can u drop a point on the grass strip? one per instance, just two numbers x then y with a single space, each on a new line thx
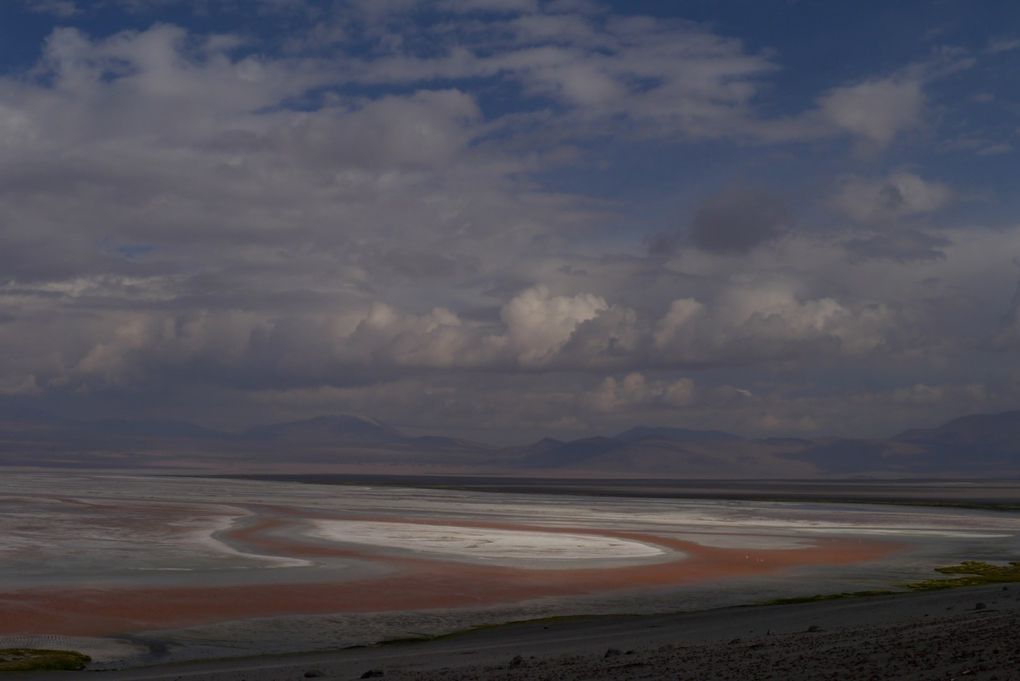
973 573
34 659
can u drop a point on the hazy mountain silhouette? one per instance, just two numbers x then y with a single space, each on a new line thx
982 445
340 428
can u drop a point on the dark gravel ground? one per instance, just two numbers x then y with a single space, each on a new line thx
970 633
985 647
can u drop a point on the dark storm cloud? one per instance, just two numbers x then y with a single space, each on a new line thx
733 221
738 220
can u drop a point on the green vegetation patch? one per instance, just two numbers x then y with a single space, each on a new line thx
825 597
32 659
974 573
424 638
971 573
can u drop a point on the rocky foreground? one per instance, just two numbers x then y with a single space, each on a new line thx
986 647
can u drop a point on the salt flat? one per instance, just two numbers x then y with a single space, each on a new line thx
241 566
503 547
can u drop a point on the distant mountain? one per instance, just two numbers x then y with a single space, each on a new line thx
843 457
647 451
325 429
982 445
984 442
547 454
994 432
154 429
544 446
440 442
675 435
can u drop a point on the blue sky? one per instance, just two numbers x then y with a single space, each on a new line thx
507 218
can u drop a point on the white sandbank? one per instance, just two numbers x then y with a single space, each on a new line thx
536 548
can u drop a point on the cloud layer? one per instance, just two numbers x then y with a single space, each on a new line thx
433 213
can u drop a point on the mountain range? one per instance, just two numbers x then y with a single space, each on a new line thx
982 445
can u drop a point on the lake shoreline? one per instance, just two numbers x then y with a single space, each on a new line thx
968 631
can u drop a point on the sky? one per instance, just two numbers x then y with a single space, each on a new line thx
502 219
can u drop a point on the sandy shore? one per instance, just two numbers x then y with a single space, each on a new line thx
414 583
963 633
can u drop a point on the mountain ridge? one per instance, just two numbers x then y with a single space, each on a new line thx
983 445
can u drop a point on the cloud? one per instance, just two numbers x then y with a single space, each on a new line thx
738 220
1007 335
156 138
998 45
635 390
424 129
373 206
437 339
901 245
899 195
59 8
886 205
668 78
767 321
536 331
615 337
491 6
539 324
875 111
